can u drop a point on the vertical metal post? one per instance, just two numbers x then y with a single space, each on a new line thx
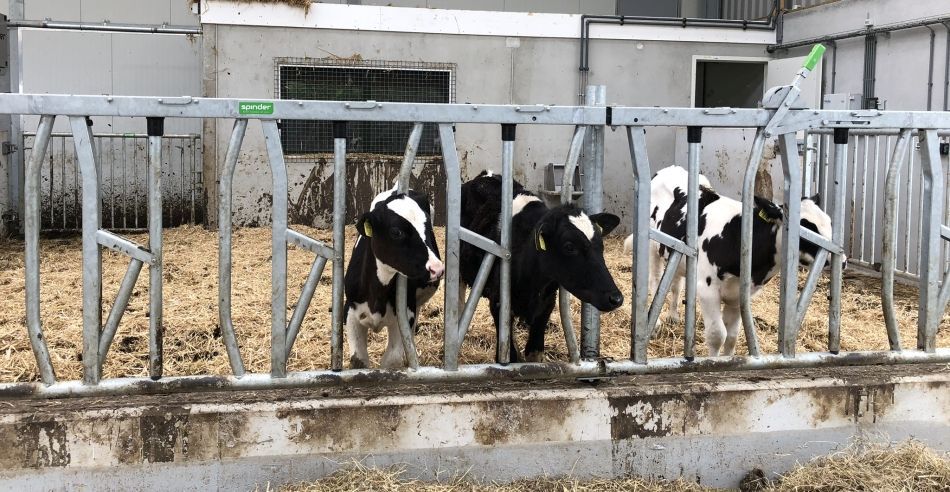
15 177
156 128
593 203
453 206
788 314
31 236
339 245
91 254
507 190
278 298
888 256
402 186
224 247
838 208
930 312
745 247
640 330
693 140
567 194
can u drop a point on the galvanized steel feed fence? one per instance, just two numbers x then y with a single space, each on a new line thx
590 119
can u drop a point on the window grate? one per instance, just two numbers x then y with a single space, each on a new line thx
333 79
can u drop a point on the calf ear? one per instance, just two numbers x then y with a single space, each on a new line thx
770 210
365 225
815 198
606 222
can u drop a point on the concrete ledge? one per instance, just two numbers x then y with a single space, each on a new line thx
710 427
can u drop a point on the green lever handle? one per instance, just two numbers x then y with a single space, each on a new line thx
814 57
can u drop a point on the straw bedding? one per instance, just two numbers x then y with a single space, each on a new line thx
193 340
905 467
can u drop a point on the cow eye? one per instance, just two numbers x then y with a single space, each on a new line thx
397 233
569 249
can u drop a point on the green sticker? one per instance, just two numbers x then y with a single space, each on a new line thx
252 107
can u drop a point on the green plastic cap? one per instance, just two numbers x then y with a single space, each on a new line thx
814 57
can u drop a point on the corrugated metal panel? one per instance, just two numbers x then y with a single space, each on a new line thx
760 9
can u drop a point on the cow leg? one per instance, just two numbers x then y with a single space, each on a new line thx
715 330
356 336
534 349
672 308
395 355
730 316
514 353
656 267
461 297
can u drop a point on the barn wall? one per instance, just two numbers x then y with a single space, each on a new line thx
902 56
711 428
239 62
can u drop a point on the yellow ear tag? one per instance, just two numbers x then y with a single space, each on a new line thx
368 229
599 229
765 217
541 245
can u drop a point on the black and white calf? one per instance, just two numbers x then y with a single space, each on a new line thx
395 237
720 222
664 186
555 247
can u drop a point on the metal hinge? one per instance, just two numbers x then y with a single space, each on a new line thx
9 148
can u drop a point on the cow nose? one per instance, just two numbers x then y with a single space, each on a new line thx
615 299
436 269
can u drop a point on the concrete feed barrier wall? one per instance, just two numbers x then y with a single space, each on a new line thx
710 427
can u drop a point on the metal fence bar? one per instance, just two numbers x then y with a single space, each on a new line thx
745 247
930 265
693 139
907 210
788 276
567 194
156 128
402 186
454 332
224 247
278 334
31 260
91 254
303 304
593 203
505 325
640 330
888 256
838 208
339 243
468 311
118 308
663 289
811 283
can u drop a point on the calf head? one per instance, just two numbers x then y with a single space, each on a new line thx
399 229
571 248
816 220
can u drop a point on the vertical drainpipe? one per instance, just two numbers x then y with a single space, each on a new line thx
930 69
946 70
870 59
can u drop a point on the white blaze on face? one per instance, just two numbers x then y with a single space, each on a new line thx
520 202
582 223
408 209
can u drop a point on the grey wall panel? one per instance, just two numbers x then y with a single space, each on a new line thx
538 71
177 12
467 4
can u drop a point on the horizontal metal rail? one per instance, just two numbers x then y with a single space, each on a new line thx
473 372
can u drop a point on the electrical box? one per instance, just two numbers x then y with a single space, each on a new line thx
841 101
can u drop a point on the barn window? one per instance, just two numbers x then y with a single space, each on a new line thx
728 83
361 80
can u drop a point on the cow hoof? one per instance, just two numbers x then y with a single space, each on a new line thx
671 320
357 363
534 356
